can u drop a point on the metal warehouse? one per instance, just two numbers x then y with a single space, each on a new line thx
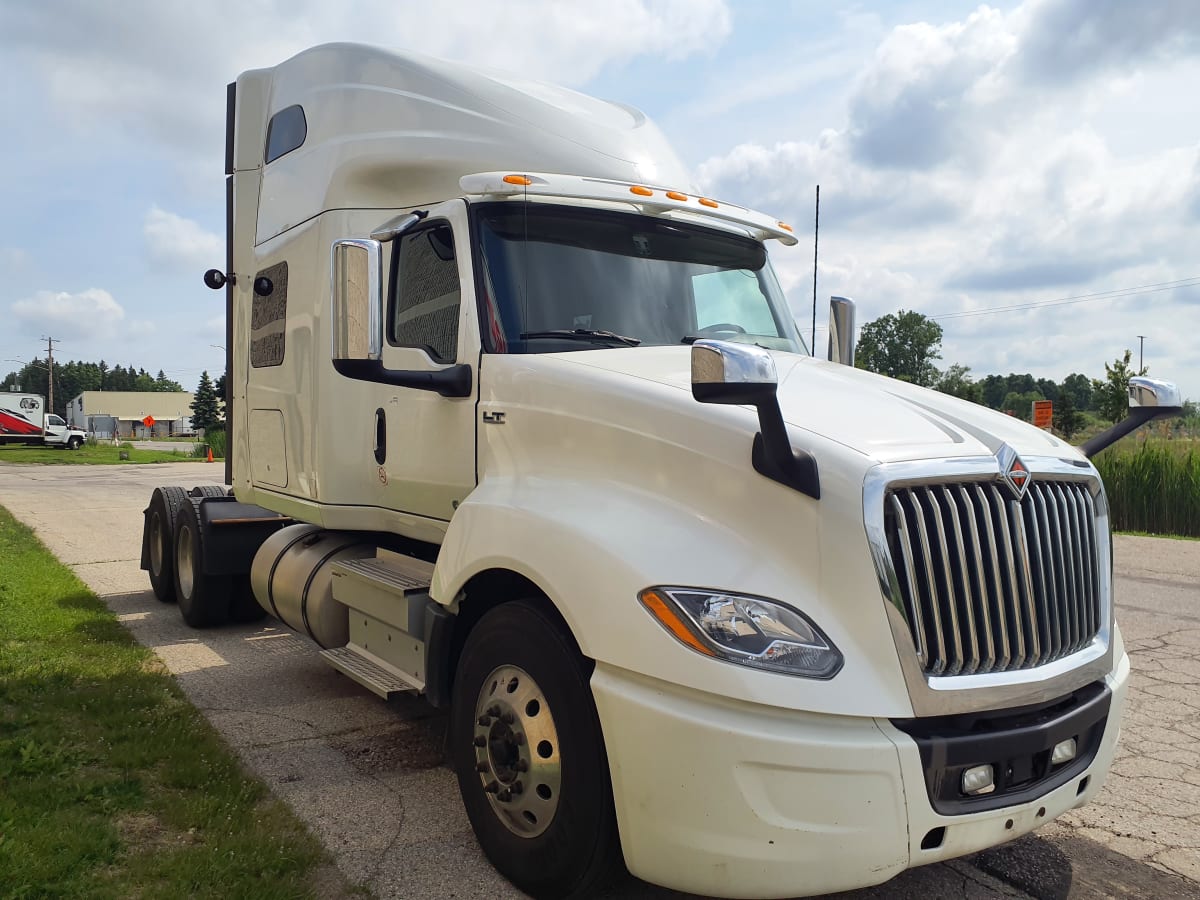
99 411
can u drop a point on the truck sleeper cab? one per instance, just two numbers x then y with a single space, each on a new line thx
549 449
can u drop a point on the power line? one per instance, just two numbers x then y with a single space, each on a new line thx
1134 291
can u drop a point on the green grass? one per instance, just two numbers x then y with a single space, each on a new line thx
90 454
1153 485
111 784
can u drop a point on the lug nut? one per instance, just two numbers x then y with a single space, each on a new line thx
519 739
507 718
492 787
483 720
480 740
521 766
493 710
504 796
517 787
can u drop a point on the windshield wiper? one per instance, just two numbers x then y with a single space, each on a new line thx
582 334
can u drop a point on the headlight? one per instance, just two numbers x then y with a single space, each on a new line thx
752 631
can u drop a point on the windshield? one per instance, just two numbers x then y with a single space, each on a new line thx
558 278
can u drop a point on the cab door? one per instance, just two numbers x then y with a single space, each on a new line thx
425 442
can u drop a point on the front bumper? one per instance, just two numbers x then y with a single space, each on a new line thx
736 800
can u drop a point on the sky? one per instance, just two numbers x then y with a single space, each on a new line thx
1028 173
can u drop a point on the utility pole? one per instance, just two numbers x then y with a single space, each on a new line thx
50 373
1141 351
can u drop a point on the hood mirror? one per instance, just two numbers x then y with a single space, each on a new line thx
1149 399
1144 392
732 373
744 375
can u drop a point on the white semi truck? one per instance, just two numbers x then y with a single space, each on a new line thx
522 423
24 420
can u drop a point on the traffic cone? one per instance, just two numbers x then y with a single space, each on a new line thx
210 453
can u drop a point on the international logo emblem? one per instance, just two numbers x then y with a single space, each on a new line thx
1013 472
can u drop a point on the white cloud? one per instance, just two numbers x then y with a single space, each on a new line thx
159 67
962 179
176 242
92 314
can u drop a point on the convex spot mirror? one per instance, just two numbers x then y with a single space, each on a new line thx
357 291
732 373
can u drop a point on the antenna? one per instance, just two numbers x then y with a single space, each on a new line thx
816 234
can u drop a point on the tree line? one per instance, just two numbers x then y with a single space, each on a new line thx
906 345
73 378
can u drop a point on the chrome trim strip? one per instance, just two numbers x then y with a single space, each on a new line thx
975 660
935 695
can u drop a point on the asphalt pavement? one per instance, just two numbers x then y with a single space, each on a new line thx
371 781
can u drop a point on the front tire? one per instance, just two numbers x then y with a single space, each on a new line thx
74 443
526 744
203 599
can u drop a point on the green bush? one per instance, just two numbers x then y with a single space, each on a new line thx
215 438
1153 485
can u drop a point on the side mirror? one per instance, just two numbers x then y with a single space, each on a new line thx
357 291
841 330
1149 399
744 375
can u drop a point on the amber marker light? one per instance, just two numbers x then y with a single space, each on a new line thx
784 225
704 201
641 191
669 619
675 195
517 179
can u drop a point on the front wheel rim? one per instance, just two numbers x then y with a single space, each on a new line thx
516 749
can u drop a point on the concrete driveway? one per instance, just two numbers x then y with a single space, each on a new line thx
371 781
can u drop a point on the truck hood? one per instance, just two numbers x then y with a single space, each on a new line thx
882 418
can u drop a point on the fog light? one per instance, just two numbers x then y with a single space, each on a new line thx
1064 751
978 780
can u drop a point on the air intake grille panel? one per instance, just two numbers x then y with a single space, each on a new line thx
994 584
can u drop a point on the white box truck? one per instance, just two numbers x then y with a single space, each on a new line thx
24 420
522 423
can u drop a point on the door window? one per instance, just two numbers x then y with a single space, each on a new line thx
425 293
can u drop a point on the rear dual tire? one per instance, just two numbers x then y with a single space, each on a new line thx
204 600
165 503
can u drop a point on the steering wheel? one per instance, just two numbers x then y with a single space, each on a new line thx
721 326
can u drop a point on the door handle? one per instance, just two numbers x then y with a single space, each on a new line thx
380 436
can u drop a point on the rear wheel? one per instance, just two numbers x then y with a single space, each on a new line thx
204 600
160 534
208 490
526 744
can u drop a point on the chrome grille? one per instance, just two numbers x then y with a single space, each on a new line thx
990 583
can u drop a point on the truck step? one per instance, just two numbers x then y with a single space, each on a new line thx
394 573
371 672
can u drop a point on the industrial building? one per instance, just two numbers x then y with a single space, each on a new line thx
134 414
